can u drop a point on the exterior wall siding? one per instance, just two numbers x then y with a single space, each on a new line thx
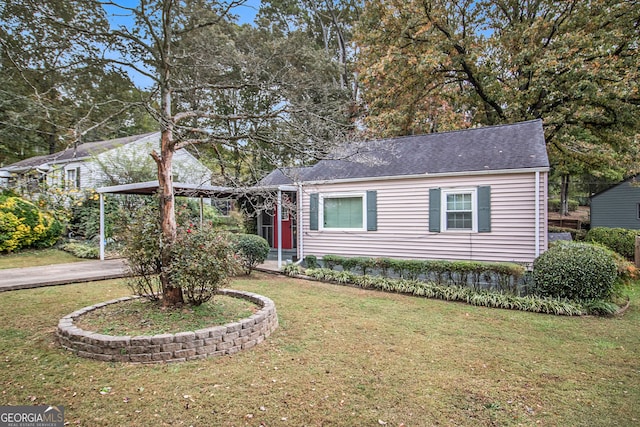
187 169
403 221
617 207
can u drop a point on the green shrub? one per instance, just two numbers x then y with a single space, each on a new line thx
82 249
576 271
84 222
292 270
203 260
252 249
24 225
619 240
332 261
141 248
311 261
504 277
485 298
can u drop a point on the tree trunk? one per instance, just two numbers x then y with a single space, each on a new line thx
171 295
564 196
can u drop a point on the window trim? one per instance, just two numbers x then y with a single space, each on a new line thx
638 211
72 182
363 198
474 209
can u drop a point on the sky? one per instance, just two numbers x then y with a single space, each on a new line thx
246 14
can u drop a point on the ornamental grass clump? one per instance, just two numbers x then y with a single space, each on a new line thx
575 271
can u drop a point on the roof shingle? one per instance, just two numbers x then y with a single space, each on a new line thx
514 146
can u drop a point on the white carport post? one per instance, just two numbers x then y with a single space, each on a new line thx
299 225
279 219
102 233
201 211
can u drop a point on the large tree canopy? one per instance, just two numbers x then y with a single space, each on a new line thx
433 65
55 90
254 96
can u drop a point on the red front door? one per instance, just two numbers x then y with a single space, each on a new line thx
287 226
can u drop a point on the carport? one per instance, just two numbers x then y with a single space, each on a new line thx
202 192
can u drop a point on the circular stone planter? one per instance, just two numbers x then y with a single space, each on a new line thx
182 346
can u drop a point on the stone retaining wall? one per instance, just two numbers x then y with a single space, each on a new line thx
214 341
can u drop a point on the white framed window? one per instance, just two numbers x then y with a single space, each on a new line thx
343 211
73 178
459 210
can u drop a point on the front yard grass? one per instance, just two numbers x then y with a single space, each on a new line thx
342 356
35 258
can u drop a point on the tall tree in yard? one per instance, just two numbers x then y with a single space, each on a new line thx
433 65
234 88
220 85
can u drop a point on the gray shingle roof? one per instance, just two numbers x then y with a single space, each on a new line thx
514 146
81 152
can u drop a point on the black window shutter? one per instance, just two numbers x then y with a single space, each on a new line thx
484 209
434 210
313 211
372 210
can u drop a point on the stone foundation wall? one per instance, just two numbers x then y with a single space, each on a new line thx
214 341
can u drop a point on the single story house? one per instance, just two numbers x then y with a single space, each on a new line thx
476 194
93 164
618 206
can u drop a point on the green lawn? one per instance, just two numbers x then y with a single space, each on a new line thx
34 258
341 357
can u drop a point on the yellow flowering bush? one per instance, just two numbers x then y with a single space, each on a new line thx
23 225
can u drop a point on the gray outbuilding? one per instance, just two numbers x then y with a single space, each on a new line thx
618 206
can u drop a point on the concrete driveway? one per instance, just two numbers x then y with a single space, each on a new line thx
60 274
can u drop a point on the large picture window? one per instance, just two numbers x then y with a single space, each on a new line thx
343 211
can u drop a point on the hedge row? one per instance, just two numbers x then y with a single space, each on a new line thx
504 277
463 294
620 240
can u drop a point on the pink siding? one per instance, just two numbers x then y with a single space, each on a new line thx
403 221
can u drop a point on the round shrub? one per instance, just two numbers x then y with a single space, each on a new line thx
203 261
577 271
253 250
24 225
202 258
620 240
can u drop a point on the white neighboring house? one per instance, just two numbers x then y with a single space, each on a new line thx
94 164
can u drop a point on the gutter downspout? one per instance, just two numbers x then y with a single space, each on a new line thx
537 214
279 215
102 227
